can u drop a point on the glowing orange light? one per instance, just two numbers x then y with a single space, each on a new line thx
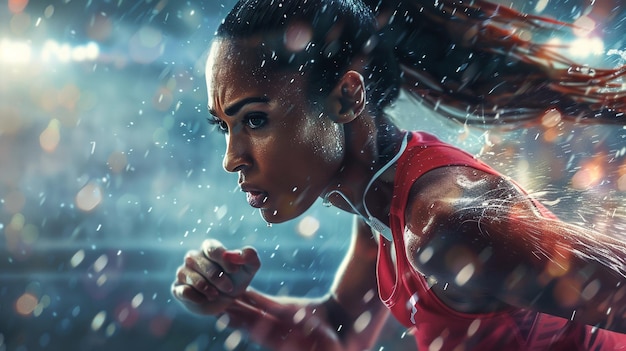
551 135
89 197
50 137
567 291
17 6
621 183
551 118
26 304
590 174
117 162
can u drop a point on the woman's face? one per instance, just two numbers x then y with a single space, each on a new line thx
286 153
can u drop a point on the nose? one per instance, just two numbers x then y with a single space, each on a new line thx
237 156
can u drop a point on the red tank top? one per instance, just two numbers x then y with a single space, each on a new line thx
437 326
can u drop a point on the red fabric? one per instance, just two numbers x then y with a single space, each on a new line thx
435 324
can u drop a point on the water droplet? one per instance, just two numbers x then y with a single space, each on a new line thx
584 70
326 202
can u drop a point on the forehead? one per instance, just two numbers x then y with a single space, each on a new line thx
230 56
236 70
229 62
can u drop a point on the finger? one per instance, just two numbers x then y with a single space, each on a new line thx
251 258
247 257
234 258
187 293
212 273
213 249
216 252
188 277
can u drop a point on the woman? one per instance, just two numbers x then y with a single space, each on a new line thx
443 242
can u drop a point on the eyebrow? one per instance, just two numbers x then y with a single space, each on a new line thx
234 108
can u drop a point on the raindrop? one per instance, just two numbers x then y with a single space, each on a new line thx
326 202
100 263
436 345
77 258
137 300
233 340
473 328
362 321
584 70
426 255
299 315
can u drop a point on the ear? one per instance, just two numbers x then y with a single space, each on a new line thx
347 100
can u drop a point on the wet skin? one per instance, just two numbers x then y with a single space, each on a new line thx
459 217
285 152
288 149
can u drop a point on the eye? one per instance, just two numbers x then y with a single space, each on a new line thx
255 120
218 123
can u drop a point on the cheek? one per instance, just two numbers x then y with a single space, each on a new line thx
327 141
332 150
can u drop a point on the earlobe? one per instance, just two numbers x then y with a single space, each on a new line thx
347 100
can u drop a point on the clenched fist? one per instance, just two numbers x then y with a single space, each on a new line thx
211 279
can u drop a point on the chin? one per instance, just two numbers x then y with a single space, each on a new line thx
274 216
287 208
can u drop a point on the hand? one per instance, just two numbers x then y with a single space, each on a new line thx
211 279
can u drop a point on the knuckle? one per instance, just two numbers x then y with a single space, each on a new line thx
209 244
191 254
180 274
190 262
215 272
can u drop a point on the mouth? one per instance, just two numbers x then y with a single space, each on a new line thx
256 198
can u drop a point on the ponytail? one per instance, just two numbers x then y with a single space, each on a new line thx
480 63
472 61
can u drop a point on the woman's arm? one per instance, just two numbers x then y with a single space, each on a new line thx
483 237
348 318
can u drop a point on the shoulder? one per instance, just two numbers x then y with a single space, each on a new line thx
452 193
454 229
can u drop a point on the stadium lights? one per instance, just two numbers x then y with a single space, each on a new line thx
22 52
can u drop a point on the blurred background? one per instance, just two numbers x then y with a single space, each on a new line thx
109 174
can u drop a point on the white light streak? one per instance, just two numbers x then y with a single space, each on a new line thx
584 47
15 52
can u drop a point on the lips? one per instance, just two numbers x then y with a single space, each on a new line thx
256 198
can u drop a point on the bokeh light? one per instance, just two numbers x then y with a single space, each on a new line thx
110 175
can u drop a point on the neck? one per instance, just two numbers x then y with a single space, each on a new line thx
388 141
362 163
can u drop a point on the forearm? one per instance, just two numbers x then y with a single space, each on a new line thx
285 323
282 323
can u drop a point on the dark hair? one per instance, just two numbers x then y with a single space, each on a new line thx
482 63
340 32
466 59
